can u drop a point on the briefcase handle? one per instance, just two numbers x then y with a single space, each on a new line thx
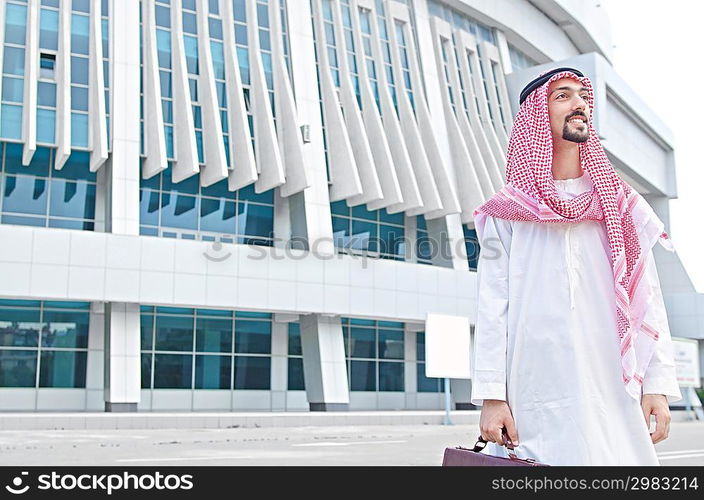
481 444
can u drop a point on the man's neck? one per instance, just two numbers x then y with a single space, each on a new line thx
565 160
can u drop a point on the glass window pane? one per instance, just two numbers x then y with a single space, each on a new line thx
363 375
146 326
391 240
79 98
76 167
19 327
255 220
191 48
391 344
46 94
11 121
63 369
252 336
15 23
13 61
12 89
294 339
81 5
46 125
252 372
364 236
426 384
18 368
217 216
248 193
65 329
72 199
146 371
213 372
165 81
296 381
79 130
362 342
163 16
179 211
163 46
149 207
172 371
174 333
79 70
213 335
420 346
79 34
25 195
189 23
391 376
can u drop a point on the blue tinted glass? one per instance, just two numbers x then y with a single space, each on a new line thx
197 117
218 59
221 90
363 342
19 327
179 211
391 377
149 207
15 23
79 98
217 216
361 212
213 335
294 339
24 221
296 381
167 111
339 208
213 7
172 371
79 130
243 60
363 375
187 186
163 46
13 161
79 34
193 89
12 89
146 373
340 231
391 344
169 134
364 236
67 329
63 369
153 182
105 27
426 384
189 4
219 190
190 24
241 34
252 336
81 5
72 224
265 45
72 199
215 28
391 240
163 16
25 195
104 7
18 368
191 46
13 61
199 146
165 82
240 10
79 70
213 372
174 333
262 15
396 218
255 220
248 193
252 372
46 125
76 167
146 324
51 3
46 94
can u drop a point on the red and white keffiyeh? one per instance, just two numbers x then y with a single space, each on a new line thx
632 226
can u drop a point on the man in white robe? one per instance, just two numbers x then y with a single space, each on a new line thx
550 357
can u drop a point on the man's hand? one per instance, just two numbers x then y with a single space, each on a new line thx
656 404
495 416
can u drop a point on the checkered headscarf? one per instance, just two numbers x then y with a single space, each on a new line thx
631 225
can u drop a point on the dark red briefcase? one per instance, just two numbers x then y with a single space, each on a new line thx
466 457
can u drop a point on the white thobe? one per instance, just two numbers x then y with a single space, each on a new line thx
546 342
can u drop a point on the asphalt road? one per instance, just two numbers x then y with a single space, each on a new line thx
342 445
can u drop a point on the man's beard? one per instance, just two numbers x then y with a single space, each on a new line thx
575 135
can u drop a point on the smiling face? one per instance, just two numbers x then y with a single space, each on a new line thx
569 110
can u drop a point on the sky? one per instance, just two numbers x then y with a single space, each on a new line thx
658 49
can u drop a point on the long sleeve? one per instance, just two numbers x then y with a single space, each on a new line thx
490 332
660 376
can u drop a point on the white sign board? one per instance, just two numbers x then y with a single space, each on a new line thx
447 346
687 362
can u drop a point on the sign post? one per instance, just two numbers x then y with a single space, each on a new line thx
447 351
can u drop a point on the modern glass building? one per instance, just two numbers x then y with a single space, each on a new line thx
255 204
